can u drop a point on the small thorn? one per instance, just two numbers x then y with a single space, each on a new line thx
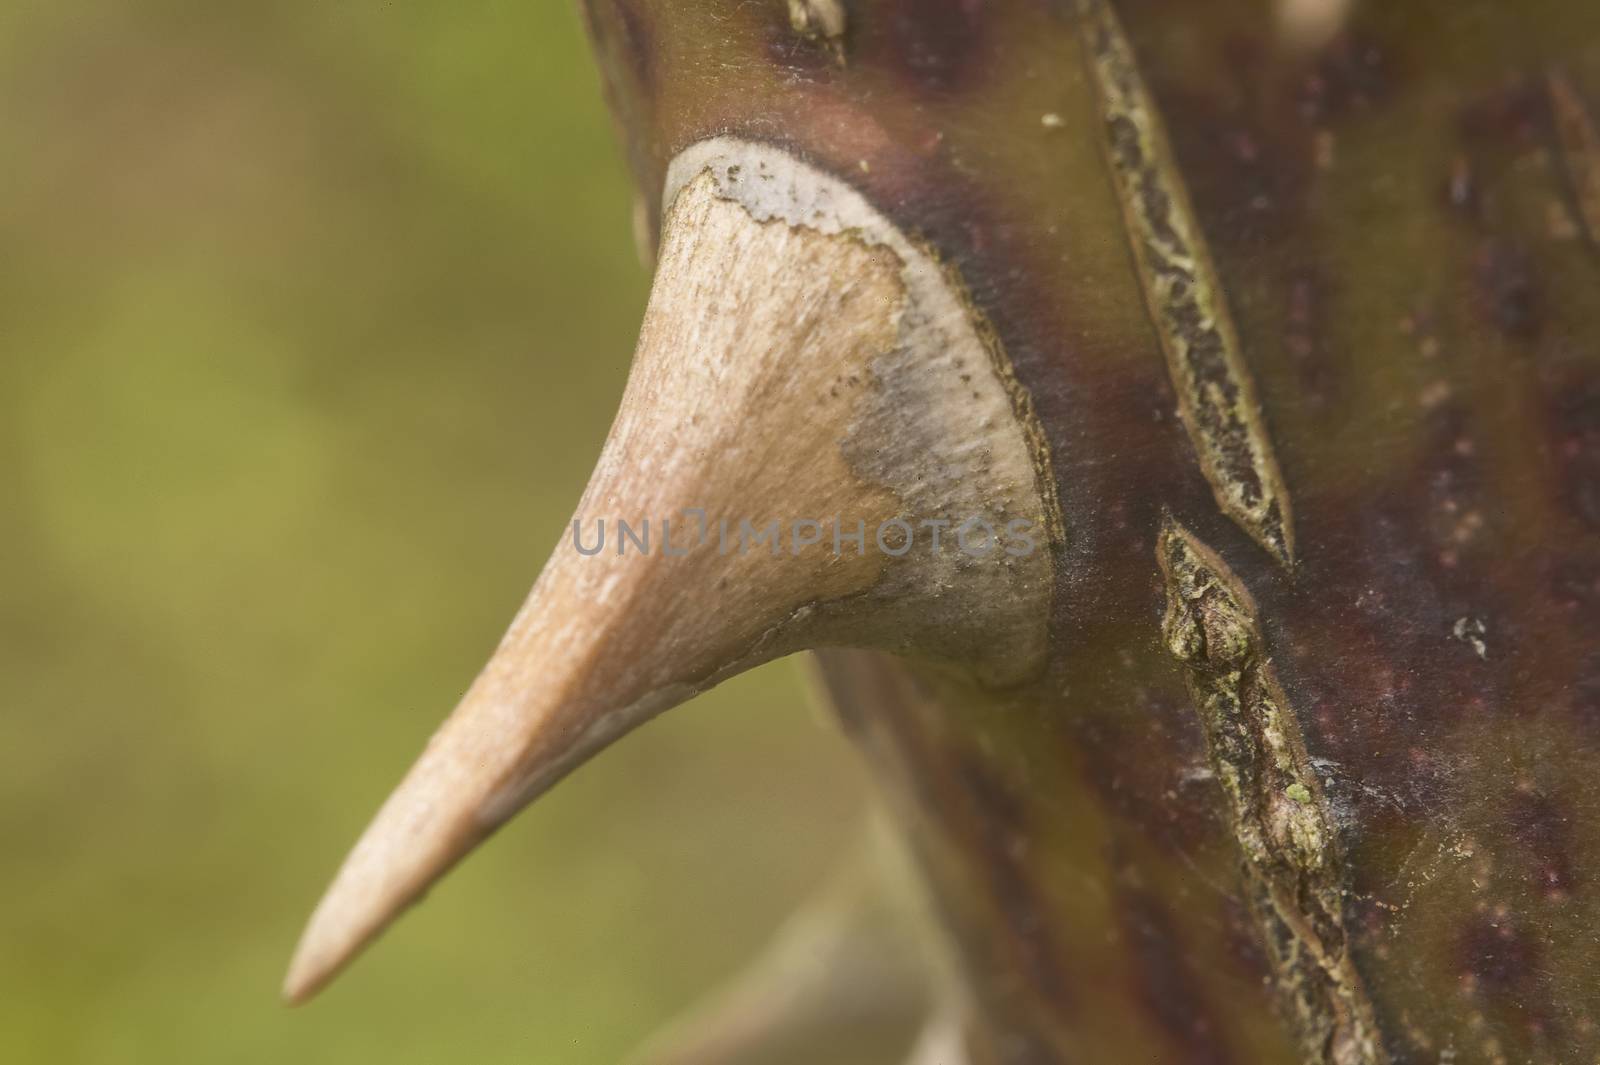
854 956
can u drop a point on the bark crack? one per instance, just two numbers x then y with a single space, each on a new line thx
1216 395
1274 802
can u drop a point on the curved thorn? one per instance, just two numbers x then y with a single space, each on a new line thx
800 363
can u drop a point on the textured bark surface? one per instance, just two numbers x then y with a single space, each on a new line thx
1401 221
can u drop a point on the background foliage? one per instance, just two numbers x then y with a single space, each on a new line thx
312 317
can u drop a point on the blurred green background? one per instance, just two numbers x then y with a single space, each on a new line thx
312 317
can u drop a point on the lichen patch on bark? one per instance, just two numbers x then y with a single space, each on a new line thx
1216 395
1275 805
